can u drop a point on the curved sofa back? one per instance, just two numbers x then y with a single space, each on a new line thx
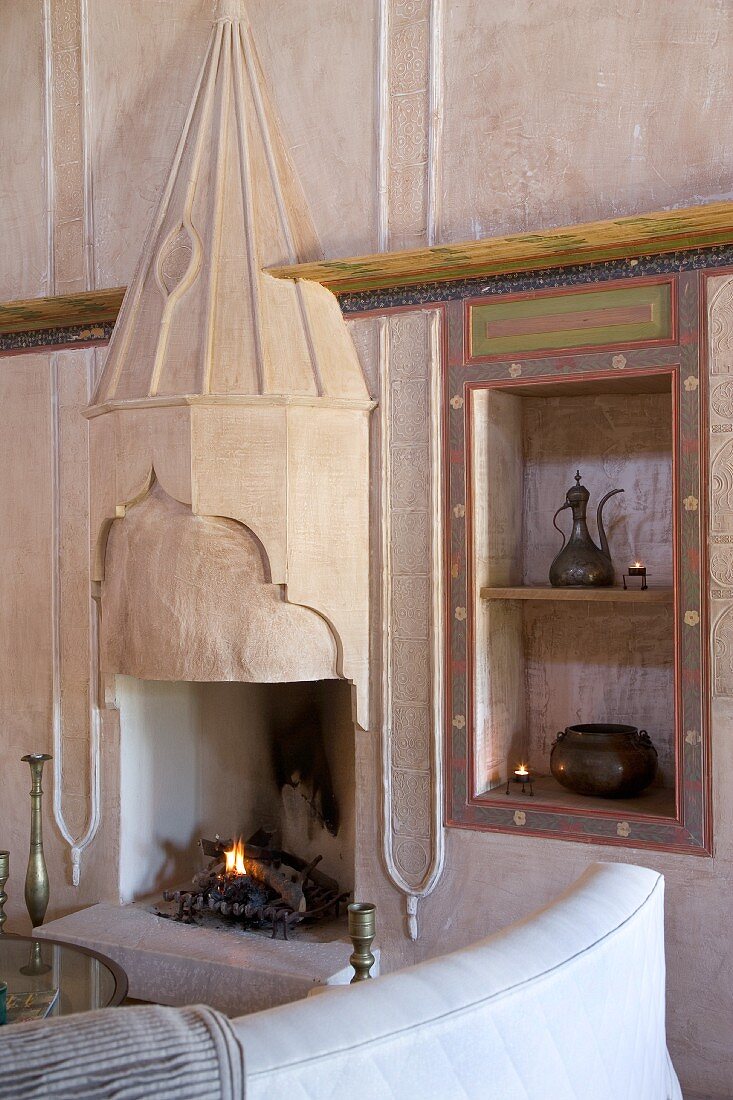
567 1004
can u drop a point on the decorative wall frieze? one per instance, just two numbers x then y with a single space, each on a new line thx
720 369
410 122
412 605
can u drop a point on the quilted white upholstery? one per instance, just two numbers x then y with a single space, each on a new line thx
565 1005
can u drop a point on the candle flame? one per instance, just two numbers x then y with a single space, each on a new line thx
235 859
522 770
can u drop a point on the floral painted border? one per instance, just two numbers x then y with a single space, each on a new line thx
690 832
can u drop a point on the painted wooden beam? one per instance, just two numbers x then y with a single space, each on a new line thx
65 311
587 595
595 242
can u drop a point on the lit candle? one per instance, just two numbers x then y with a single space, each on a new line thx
638 569
521 775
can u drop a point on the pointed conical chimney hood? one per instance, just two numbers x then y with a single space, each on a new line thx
240 394
201 317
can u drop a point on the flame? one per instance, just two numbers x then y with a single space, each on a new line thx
235 859
522 770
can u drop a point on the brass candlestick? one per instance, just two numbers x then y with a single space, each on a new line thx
35 964
4 875
362 928
36 879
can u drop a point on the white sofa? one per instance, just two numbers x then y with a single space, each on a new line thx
565 1005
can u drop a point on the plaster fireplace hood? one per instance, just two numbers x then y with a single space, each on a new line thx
229 429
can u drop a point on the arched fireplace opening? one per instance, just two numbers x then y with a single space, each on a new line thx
207 760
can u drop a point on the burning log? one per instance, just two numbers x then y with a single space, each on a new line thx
258 885
252 850
290 892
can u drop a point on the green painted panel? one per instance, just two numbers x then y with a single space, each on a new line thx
569 319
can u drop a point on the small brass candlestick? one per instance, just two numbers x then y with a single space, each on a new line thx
36 879
4 875
362 928
35 964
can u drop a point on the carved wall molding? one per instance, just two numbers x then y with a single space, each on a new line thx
410 80
75 657
412 605
720 366
410 110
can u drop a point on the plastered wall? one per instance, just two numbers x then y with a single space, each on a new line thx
546 113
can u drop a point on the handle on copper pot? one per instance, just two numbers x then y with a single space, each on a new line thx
644 739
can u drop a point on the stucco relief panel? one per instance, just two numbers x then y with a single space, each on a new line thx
409 54
720 364
411 607
412 708
411 802
411 737
721 326
409 121
411 541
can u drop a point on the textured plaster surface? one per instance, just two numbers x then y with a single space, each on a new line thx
144 65
567 111
23 258
554 113
185 598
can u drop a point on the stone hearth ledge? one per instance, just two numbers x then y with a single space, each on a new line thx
177 964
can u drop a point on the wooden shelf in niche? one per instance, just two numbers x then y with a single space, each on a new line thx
654 802
589 595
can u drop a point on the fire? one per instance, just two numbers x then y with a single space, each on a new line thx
235 859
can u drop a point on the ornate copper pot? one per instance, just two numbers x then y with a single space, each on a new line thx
603 759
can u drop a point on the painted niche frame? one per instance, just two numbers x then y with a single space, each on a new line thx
681 354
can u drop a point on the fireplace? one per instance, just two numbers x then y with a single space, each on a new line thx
226 760
229 548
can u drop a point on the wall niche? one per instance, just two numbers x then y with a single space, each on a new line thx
547 657
538 385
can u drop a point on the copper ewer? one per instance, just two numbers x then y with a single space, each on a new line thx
580 563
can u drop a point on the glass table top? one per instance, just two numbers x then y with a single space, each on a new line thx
84 979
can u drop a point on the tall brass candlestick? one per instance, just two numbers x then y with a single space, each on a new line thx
4 873
362 928
36 879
